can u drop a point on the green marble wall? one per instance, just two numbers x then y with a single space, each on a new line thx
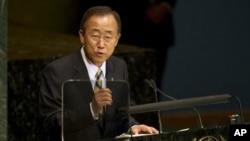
3 70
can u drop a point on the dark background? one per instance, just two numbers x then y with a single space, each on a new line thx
212 50
210 54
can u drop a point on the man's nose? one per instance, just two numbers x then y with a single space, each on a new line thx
101 43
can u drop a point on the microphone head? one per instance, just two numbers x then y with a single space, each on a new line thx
153 83
148 82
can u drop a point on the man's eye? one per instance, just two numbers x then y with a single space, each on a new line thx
95 37
107 37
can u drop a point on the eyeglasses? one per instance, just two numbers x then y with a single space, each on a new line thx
105 38
97 36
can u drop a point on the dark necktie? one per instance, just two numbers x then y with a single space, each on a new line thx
98 83
97 87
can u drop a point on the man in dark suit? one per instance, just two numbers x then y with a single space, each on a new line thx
89 113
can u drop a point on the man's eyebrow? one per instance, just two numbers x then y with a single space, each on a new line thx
108 31
95 30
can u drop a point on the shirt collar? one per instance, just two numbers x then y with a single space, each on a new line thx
92 68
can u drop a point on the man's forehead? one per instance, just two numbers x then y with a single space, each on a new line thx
105 23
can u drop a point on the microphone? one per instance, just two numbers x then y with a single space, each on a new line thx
152 84
240 108
158 112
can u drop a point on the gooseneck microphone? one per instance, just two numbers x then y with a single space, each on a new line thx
240 108
152 84
158 112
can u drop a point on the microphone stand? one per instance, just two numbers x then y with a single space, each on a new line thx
240 108
158 113
195 110
152 84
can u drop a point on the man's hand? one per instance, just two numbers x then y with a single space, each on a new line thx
101 98
143 129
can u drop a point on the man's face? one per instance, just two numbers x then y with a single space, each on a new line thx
100 38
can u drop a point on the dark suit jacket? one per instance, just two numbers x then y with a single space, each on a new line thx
78 122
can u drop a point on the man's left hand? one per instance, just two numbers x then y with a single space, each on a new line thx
143 129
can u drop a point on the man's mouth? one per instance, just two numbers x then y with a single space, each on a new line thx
99 54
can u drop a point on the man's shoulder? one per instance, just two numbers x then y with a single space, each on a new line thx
63 61
117 60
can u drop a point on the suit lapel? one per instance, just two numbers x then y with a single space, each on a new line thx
109 70
81 73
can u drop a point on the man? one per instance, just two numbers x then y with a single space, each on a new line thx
100 30
145 23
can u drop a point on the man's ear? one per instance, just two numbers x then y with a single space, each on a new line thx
81 36
118 38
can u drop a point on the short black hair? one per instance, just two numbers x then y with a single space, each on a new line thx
99 11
